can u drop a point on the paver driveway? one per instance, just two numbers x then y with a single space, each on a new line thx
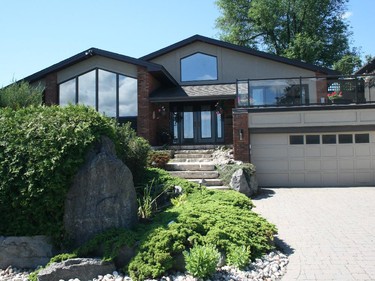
329 233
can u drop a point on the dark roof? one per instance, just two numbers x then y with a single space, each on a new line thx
190 93
246 50
368 68
156 70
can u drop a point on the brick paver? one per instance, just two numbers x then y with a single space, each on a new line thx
329 233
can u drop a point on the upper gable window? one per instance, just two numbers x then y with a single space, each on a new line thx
198 67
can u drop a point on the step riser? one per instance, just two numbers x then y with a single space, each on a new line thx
183 160
189 156
189 167
209 182
195 174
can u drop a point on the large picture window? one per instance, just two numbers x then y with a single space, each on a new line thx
198 67
113 94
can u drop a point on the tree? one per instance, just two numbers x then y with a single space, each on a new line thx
313 31
348 64
21 94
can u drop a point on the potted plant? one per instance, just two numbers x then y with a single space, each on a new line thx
334 96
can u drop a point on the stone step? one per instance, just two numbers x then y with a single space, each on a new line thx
194 151
220 187
191 160
209 182
192 166
192 155
195 174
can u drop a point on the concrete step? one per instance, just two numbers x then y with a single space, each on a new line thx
195 174
194 151
192 155
192 166
191 160
221 187
209 182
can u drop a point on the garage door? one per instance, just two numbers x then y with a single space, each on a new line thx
326 159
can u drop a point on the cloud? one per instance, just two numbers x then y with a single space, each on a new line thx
346 15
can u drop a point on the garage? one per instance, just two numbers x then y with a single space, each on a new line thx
314 159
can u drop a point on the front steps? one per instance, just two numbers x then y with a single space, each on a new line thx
196 166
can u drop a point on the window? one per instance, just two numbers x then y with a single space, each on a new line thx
362 138
112 94
296 139
312 139
346 138
329 139
198 67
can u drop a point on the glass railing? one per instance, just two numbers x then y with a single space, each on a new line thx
305 91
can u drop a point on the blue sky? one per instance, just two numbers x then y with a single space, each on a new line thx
36 34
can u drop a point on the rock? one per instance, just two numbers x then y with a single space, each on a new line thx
82 269
240 183
25 252
102 196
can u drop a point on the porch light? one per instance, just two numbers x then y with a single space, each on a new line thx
241 134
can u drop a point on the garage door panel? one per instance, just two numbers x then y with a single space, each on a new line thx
329 179
313 165
270 152
363 164
313 179
329 150
277 179
346 164
364 178
297 165
296 152
362 150
297 179
313 151
346 178
329 164
345 150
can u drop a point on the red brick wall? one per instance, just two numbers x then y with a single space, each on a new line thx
228 121
241 150
51 89
146 124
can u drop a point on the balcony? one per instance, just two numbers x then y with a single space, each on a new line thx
306 91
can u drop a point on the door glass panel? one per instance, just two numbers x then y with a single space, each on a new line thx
206 122
218 126
188 123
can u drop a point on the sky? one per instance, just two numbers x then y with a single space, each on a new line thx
37 34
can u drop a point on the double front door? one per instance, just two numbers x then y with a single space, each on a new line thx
197 124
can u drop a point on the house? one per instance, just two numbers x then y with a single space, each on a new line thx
275 111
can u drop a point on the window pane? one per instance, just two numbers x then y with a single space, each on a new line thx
128 96
86 89
188 123
362 138
296 139
206 122
67 92
346 138
199 67
329 139
107 93
312 139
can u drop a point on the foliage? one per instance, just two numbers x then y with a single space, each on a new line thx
21 94
348 64
201 261
226 171
158 159
239 256
132 150
314 31
41 148
219 218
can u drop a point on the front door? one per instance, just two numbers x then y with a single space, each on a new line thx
196 124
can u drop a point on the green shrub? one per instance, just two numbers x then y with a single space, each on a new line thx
239 256
21 94
201 261
158 159
41 148
132 150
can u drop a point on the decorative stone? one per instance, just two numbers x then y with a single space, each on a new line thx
102 196
25 252
81 269
240 183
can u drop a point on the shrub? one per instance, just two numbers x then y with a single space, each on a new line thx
132 150
21 94
201 261
226 171
239 256
41 148
158 159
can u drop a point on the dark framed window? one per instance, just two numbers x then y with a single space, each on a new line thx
296 139
312 139
329 139
362 138
113 94
199 67
345 138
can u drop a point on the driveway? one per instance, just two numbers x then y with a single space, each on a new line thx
328 233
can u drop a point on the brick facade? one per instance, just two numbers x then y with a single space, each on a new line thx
241 137
51 89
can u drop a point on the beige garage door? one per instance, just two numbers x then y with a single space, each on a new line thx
319 159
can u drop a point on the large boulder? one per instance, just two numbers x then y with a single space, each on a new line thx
245 184
82 269
102 196
25 252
